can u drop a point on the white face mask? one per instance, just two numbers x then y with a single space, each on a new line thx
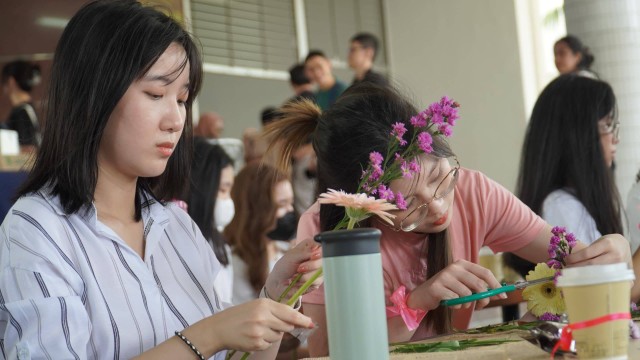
223 213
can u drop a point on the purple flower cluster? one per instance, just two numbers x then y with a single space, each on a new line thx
550 317
401 160
560 246
442 114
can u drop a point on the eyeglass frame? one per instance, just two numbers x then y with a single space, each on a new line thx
455 171
614 129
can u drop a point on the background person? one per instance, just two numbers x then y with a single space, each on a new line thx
18 79
565 172
320 71
211 207
571 56
362 53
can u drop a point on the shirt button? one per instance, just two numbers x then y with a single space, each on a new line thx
23 351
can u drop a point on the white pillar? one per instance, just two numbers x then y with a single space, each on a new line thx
611 29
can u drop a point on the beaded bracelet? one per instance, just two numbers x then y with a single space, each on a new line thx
190 344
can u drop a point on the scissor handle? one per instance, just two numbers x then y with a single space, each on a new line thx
478 296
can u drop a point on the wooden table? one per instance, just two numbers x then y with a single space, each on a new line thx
520 350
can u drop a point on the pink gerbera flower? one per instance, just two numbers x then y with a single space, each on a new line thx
359 206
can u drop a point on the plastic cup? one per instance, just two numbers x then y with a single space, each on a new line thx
594 291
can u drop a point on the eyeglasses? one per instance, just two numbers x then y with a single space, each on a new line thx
417 215
612 128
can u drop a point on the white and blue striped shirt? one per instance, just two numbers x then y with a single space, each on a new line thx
71 288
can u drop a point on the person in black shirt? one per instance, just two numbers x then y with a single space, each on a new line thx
362 53
18 79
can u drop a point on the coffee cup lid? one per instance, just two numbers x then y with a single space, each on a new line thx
595 274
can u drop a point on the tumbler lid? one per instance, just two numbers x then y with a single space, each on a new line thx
349 242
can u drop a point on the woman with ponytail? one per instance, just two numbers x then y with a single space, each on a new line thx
432 249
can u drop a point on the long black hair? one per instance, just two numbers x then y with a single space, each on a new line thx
105 47
358 123
562 149
208 162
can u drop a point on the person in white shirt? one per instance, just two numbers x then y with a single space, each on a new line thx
211 207
263 223
93 263
566 173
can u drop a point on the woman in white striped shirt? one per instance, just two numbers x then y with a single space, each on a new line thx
93 265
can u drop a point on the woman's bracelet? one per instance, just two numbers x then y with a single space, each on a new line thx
190 344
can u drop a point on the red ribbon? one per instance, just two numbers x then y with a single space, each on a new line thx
411 317
567 337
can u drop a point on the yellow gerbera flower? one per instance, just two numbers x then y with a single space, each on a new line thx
543 298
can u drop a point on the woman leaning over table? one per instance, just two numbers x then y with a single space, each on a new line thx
451 212
93 263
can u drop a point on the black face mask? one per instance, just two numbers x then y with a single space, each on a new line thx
285 227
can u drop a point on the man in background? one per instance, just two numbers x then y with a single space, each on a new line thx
210 125
362 53
318 69
300 83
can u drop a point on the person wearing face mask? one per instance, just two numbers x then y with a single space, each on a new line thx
264 221
211 207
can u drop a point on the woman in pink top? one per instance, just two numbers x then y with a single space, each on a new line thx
432 248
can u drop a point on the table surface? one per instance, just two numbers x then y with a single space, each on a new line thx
520 350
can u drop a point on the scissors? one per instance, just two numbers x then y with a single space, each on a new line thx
492 292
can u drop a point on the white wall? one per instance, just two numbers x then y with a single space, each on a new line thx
467 50
239 100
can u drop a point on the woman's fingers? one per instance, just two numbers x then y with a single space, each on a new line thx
606 250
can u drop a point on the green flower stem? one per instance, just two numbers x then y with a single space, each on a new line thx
290 302
352 223
286 291
304 287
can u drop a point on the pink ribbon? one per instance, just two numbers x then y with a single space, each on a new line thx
567 332
411 317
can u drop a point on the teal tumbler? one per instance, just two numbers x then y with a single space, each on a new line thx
354 294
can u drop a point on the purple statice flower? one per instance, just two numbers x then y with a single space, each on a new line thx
556 276
552 251
385 193
446 101
406 171
633 306
414 166
376 173
400 201
445 129
558 230
554 242
554 264
451 114
418 121
376 158
571 240
437 118
424 142
398 130
433 109
549 317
